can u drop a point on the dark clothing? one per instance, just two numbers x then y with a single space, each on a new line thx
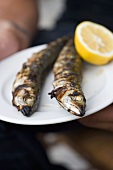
99 11
19 148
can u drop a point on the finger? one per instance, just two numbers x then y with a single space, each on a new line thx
103 119
104 126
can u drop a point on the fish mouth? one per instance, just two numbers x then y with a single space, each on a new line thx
72 107
65 100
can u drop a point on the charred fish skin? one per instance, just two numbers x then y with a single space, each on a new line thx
27 84
67 80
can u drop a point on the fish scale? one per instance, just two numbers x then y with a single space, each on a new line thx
27 84
67 80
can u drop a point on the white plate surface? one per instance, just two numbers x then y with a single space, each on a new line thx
97 86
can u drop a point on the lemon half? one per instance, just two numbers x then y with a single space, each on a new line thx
94 42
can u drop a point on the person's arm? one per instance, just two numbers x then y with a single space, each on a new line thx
18 23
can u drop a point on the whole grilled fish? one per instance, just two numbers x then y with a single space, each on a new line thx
67 80
27 85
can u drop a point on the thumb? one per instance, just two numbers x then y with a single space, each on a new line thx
9 43
11 39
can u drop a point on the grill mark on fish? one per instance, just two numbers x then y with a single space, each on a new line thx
67 80
27 85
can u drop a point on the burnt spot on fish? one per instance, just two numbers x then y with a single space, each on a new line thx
68 110
32 77
75 93
26 110
82 111
53 93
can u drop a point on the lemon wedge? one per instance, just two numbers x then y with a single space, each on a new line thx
94 43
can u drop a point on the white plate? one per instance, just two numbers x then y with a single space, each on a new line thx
97 86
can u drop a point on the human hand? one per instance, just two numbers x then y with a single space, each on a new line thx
102 119
12 39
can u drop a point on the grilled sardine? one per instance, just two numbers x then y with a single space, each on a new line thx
27 85
67 80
